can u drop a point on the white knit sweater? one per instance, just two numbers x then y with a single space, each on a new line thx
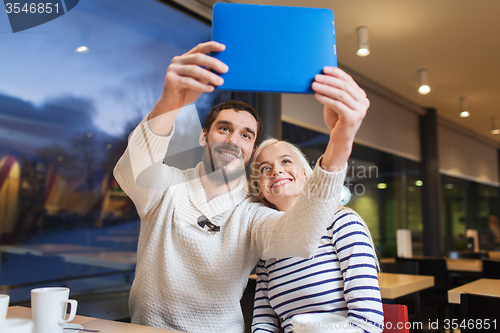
187 278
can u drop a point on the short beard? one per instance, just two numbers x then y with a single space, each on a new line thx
216 170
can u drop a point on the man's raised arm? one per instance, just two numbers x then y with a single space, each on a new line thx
139 171
345 105
188 76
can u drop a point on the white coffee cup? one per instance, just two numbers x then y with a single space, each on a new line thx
48 309
16 325
321 323
4 305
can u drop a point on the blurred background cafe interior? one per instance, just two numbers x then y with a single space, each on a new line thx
71 90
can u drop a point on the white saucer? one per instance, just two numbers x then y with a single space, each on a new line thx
75 328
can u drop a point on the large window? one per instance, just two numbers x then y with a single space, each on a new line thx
470 205
386 189
65 115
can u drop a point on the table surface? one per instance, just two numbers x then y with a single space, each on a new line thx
483 287
494 255
461 265
105 326
465 265
397 285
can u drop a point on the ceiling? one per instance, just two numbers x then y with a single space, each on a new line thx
457 41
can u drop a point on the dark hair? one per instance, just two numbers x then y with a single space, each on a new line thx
236 106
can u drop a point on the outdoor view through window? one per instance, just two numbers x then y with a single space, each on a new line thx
71 90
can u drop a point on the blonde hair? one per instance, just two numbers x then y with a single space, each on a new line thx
254 171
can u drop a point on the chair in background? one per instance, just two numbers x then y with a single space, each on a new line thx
437 296
396 318
461 277
412 301
431 266
491 269
476 309
406 267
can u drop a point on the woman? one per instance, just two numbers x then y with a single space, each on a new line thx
341 278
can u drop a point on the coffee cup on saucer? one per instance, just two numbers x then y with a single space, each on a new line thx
48 309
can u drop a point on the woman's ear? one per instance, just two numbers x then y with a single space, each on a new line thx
203 138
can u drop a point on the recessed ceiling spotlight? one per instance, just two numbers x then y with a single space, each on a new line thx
464 108
363 47
424 88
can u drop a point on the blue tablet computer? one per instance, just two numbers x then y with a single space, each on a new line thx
273 48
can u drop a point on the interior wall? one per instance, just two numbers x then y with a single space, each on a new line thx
387 126
466 158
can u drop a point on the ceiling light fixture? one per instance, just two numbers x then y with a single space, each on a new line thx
494 126
464 108
424 82
363 47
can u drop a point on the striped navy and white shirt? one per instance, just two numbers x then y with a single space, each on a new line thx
341 278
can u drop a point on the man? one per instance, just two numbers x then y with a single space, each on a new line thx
200 233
